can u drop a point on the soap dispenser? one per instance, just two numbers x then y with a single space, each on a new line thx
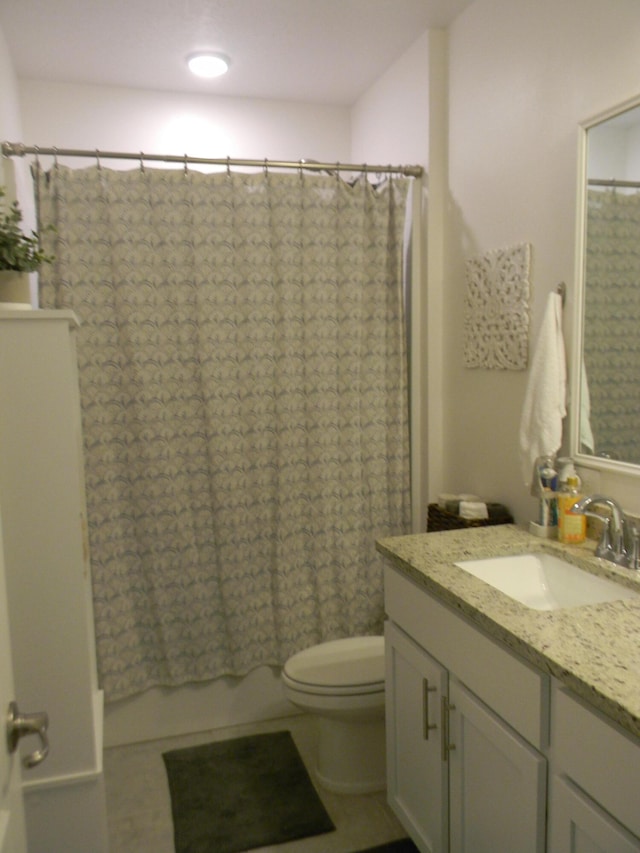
572 526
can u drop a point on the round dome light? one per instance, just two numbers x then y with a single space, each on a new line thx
208 65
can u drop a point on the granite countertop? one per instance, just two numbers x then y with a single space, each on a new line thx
593 649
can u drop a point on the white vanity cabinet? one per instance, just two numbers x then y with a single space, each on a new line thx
466 723
497 782
579 825
417 778
595 782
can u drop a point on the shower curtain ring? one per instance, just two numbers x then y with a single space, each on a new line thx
55 157
265 168
141 162
228 166
186 165
99 165
300 163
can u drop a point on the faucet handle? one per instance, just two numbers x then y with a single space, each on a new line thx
604 548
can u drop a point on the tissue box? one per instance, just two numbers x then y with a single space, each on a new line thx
441 519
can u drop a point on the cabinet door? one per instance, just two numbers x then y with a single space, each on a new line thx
497 782
416 774
578 825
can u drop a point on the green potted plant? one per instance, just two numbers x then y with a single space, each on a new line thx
20 253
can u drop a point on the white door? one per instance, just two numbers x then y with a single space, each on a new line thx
578 825
497 782
12 825
416 775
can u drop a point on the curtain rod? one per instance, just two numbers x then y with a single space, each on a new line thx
18 149
603 182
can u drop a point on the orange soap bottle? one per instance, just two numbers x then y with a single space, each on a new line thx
572 526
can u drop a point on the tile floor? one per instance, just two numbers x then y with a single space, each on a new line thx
139 809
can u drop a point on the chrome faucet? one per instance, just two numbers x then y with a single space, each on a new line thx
613 542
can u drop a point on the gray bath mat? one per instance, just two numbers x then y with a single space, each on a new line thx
239 794
403 845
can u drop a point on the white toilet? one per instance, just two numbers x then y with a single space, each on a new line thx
341 682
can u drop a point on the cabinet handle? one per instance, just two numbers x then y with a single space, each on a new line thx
427 726
446 746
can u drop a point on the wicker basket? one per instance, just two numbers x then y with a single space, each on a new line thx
440 519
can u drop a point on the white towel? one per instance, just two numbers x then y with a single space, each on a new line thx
545 403
587 444
473 509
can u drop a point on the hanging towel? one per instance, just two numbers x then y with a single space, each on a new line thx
587 443
545 401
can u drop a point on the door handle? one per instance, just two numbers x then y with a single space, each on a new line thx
19 725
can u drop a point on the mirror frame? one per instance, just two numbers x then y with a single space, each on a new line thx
584 459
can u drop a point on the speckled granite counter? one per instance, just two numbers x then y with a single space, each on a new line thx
593 649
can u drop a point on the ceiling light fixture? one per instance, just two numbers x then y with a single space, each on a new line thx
209 65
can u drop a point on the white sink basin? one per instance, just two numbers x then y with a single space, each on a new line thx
545 582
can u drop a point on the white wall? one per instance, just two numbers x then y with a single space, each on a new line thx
10 122
614 152
522 77
118 119
403 118
14 175
390 122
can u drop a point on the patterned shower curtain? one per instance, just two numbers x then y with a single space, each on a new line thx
244 395
611 322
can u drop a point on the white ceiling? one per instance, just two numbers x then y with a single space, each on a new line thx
325 51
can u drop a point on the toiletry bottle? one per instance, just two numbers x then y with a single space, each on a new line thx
549 484
572 527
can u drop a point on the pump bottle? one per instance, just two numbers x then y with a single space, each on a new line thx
572 526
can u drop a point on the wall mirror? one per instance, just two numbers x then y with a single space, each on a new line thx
606 366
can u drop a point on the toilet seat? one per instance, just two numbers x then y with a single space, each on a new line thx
349 667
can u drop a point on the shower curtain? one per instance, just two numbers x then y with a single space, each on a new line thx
243 381
611 322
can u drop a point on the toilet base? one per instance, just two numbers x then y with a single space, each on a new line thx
351 755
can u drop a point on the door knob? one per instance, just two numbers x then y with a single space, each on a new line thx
19 725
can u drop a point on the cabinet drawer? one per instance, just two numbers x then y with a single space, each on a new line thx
514 689
602 759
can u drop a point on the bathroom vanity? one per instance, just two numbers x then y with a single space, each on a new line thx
509 728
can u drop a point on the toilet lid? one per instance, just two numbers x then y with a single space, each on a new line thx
352 662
